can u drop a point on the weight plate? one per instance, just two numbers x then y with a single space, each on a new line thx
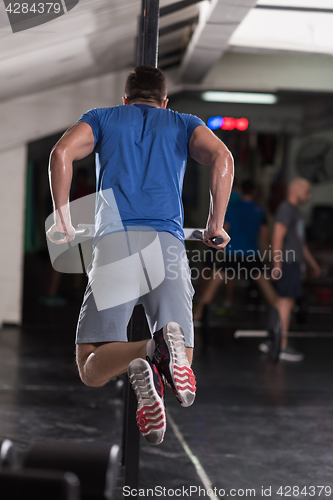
8 456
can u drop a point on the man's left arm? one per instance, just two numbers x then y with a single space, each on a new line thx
76 143
316 271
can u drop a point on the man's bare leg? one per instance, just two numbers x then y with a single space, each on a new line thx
189 354
98 363
230 288
285 306
208 294
268 290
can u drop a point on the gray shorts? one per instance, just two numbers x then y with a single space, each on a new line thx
136 267
290 283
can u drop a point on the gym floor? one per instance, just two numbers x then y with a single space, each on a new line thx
253 424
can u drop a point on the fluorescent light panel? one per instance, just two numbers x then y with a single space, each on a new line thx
285 30
239 97
316 4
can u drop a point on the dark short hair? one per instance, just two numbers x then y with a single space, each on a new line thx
248 187
146 82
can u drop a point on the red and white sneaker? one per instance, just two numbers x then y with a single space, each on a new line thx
148 386
171 361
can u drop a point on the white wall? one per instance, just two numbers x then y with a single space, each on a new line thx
271 72
12 199
38 115
23 120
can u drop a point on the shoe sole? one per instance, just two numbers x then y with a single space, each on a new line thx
290 357
283 356
150 414
263 348
183 379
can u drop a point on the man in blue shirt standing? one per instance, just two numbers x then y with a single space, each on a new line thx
141 150
246 223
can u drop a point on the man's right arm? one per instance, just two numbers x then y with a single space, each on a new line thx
207 149
76 143
279 233
264 235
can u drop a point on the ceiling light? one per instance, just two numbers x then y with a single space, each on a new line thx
243 97
285 30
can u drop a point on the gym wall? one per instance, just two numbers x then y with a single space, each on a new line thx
23 120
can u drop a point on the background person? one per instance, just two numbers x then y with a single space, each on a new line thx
289 242
246 224
141 150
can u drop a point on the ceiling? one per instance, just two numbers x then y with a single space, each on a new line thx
304 26
99 36
94 38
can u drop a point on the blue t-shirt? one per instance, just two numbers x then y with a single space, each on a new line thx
245 219
141 154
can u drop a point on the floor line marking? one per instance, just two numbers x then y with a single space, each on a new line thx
194 459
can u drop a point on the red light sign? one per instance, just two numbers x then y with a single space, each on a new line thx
230 123
242 123
227 123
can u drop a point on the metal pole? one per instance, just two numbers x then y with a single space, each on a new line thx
150 56
147 41
147 54
131 433
140 37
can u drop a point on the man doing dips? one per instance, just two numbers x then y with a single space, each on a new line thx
141 150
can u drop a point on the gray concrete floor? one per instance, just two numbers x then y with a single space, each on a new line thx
254 425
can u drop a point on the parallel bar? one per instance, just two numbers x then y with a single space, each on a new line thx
82 260
250 333
310 334
298 9
174 7
263 307
264 333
